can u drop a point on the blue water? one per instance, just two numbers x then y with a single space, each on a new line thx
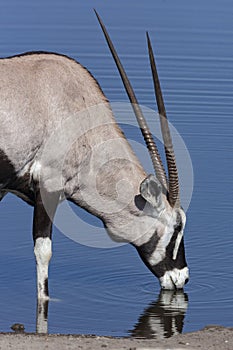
110 291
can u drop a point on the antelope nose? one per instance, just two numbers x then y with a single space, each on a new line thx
174 279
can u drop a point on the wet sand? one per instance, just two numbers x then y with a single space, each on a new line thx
211 337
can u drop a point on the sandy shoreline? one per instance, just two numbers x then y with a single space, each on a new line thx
211 337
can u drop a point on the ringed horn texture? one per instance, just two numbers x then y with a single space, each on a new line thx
171 186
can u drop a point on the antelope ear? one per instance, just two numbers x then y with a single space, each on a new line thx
151 191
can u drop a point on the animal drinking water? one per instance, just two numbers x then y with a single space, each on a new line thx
59 140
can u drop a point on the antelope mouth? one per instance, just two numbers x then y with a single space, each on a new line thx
174 279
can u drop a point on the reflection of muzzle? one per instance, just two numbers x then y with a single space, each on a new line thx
173 301
164 317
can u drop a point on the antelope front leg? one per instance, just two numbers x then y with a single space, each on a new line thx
43 253
44 211
42 316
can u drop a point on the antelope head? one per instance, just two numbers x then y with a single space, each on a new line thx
163 253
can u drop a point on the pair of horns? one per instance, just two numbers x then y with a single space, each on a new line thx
171 186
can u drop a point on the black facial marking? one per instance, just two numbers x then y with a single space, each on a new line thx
145 251
168 264
148 248
179 224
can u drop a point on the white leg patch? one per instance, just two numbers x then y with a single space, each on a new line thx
43 253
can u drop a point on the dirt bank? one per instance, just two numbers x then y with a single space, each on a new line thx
211 337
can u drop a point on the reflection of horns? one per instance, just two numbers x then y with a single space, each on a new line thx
154 154
164 317
174 199
42 316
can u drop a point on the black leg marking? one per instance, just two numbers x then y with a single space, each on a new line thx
46 287
42 220
42 232
42 316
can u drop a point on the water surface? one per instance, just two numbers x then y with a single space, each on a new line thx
110 291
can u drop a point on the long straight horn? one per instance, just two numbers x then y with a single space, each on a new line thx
154 154
174 191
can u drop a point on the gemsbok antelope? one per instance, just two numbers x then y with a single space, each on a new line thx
59 139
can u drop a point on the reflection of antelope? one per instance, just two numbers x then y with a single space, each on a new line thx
39 94
163 318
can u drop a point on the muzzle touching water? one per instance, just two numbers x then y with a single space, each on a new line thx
174 279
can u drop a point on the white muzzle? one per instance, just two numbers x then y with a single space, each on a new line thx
174 279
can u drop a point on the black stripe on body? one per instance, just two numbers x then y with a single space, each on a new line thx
7 170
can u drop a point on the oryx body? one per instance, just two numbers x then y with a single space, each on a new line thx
45 100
